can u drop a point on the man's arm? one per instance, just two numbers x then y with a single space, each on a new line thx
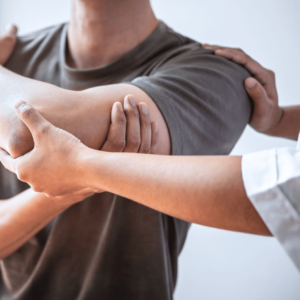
22 216
85 114
268 117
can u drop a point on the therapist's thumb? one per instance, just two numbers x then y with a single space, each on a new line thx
256 91
35 122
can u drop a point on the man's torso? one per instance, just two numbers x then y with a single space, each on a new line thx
106 247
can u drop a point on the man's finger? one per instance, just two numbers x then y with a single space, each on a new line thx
116 138
7 161
133 133
35 122
154 137
145 146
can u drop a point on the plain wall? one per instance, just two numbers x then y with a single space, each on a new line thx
216 264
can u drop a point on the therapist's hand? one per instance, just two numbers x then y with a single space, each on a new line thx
7 43
262 89
54 166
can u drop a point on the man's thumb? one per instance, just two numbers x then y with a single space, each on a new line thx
35 122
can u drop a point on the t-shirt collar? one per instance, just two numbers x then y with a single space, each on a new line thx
133 58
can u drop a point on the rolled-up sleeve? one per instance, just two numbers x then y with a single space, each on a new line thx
272 183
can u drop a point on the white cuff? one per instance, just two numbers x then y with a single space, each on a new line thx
259 171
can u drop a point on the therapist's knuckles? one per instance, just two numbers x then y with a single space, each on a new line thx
146 129
115 144
117 132
133 142
133 138
118 115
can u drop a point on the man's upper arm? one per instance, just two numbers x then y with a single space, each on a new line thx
202 99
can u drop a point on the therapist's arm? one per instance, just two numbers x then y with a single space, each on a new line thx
268 117
204 190
85 114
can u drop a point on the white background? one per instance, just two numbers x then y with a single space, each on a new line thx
216 264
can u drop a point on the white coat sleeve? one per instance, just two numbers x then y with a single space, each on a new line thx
272 182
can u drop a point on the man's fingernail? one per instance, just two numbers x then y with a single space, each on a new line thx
120 106
132 100
144 108
250 83
156 127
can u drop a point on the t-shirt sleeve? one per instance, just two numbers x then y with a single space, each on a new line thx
202 99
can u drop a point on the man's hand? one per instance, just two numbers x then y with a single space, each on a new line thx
53 167
262 89
7 43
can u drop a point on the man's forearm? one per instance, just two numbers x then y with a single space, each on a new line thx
22 216
203 190
85 114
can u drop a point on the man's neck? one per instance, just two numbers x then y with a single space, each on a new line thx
101 31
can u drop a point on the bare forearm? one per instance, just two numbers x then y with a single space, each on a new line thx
85 114
289 125
202 190
22 216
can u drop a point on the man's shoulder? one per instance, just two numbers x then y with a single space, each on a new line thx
35 49
186 52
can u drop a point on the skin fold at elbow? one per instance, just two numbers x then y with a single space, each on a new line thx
19 141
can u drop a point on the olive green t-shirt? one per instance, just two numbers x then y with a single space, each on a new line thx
108 247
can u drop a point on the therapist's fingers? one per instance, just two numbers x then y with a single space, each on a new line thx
36 123
238 56
264 76
218 47
7 43
242 58
256 91
212 47
116 138
146 129
154 137
266 110
133 133
7 161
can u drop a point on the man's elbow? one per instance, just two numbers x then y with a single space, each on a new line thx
19 141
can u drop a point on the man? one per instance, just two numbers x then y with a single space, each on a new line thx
108 246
